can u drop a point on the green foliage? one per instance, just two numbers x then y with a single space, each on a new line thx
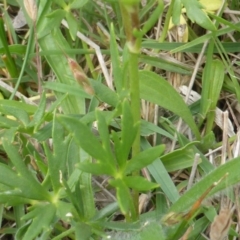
53 152
152 86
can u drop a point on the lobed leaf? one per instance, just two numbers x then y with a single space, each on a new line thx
41 216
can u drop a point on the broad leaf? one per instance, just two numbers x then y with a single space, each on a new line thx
196 14
154 88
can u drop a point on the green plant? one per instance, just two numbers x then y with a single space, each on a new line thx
89 124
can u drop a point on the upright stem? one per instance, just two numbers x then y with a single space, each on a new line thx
129 10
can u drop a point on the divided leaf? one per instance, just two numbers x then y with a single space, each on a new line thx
41 217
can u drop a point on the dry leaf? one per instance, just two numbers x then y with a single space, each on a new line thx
80 76
31 8
221 224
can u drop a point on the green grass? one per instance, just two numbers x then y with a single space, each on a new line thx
98 138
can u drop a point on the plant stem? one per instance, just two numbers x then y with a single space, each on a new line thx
131 24
135 107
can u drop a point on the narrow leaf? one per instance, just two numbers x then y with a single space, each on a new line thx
84 137
115 59
128 132
105 138
191 196
139 183
179 159
123 195
96 168
41 216
144 158
38 115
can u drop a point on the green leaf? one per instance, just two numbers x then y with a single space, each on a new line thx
76 4
123 195
61 3
38 115
115 60
96 168
44 133
24 180
30 109
191 196
20 114
196 14
106 211
29 189
177 9
73 25
152 230
144 158
155 89
148 128
66 88
82 231
55 18
104 135
84 137
139 183
153 18
196 48
179 159
213 77
104 93
164 63
50 42
161 176
128 133
15 158
42 217
57 159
